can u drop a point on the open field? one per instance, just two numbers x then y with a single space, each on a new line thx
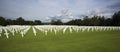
59 39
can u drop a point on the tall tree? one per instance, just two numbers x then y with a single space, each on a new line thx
20 21
71 22
2 21
52 22
78 22
37 22
9 22
86 21
95 21
58 22
116 19
108 22
102 21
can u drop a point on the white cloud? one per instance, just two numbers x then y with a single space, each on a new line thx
65 16
39 9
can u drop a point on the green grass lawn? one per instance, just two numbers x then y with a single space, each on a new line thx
97 41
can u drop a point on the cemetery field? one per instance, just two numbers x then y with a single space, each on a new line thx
59 39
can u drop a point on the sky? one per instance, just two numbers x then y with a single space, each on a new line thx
46 10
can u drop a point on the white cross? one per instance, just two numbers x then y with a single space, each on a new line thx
51 29
55 31
70 29
0 33
13 32
46 32
64 30
34 31
7 34
22 34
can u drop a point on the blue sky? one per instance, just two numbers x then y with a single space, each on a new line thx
43 9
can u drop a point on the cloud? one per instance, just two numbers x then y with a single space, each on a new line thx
65 16
39 9
97 12
115 5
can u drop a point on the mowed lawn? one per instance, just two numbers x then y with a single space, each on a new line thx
97 41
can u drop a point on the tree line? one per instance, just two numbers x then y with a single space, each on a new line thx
18 21
86 21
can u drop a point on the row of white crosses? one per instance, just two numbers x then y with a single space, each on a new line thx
55 29
12 29
45 29
6 32
98 28
34 31
23 32
52 28
0 31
